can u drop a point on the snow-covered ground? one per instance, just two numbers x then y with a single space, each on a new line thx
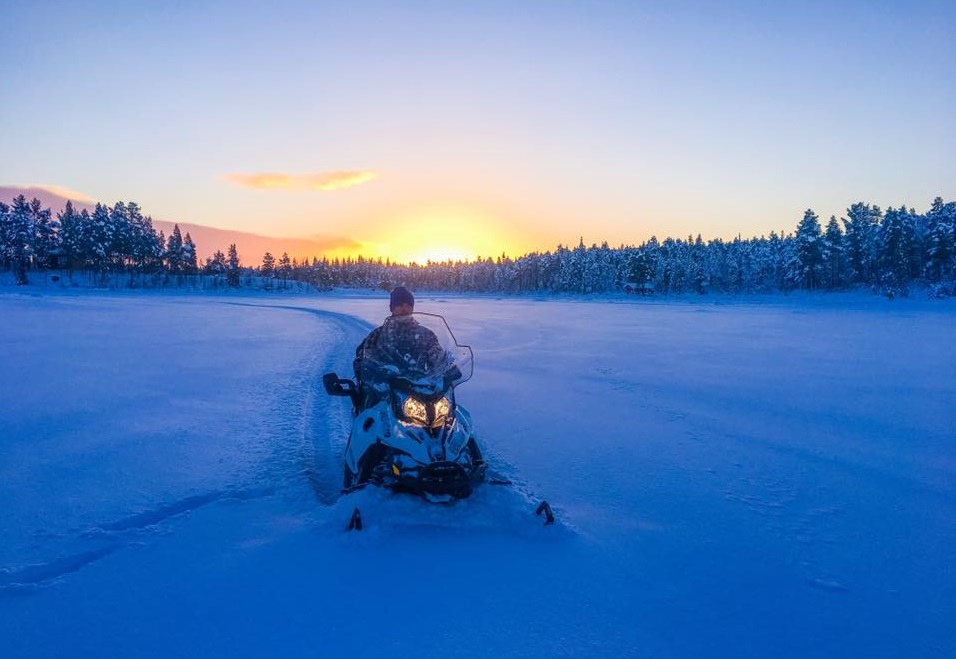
750 478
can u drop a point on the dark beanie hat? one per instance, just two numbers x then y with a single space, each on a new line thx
400 295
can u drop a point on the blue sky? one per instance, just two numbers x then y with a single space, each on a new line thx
452 128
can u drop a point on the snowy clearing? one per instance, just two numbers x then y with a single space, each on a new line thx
733 478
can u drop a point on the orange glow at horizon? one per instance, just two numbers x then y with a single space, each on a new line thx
439 234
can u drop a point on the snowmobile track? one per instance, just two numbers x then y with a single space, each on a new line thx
111 537
326 419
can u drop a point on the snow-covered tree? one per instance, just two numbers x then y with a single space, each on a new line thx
833 255
18 231
285 267
808 249
71 229
861 233
941 241
174 251
190 259
232 266
893 254
46 240
146 248
6 240
215 265
100 238
268 267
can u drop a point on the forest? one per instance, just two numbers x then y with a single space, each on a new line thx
889 252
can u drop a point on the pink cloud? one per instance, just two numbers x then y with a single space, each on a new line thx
52 196
323 181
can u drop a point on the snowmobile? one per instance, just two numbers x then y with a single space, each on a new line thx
409 434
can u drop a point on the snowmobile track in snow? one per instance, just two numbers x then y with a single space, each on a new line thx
326 425
319 430
111 537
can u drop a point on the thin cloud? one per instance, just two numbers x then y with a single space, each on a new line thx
66 193
323 181
51 196
48 194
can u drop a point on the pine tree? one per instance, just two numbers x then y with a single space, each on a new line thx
18 238
146 247
268 267
285 267
941 241
787 264
100 238
6 226
190 260
174 251
893 254
216 265
698 275
121 237
45 235
232 267
861 231
833 255
809 252
71 236
84 240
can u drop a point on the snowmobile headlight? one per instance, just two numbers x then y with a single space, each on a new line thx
415 410
442 410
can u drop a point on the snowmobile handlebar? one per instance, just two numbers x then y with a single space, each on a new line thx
336 386
447 381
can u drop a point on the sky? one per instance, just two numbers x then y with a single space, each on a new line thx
420 130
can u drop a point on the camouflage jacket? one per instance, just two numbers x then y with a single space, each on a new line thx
402 342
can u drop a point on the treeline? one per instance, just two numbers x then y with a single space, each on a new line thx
102 243
885 251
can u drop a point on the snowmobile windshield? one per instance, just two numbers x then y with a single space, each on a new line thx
419 347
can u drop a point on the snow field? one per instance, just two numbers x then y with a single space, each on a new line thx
768 479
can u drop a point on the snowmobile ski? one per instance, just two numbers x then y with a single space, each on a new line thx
355 523
545 508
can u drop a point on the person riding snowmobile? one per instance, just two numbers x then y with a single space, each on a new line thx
399 347
409 433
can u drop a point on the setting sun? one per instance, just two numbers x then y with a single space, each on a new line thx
443 233
440 254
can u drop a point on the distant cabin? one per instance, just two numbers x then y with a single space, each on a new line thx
647 288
